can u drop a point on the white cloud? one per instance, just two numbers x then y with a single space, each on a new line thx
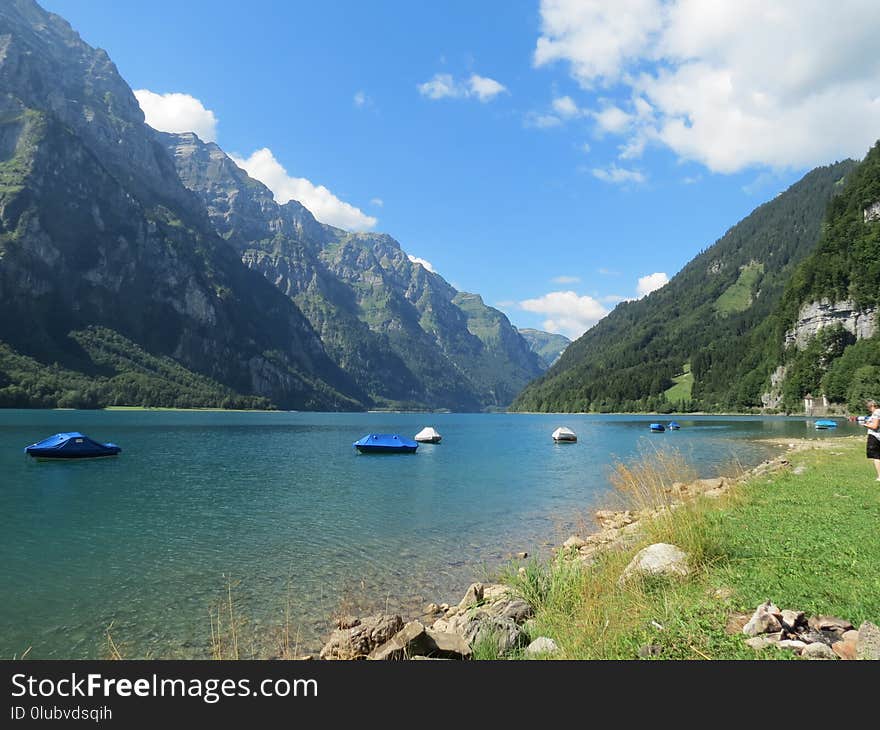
612 119
567 313
484 88
566 280
608 272
651 282
439 87
177 113
787 84
323 204
566 107
361 100
444 86
542 121
378 202
426 264
618 175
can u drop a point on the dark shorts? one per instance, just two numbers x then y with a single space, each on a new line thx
873 449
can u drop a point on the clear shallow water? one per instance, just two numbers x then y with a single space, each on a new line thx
282 505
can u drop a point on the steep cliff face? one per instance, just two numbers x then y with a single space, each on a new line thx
828 314
97 229
816 316
402 332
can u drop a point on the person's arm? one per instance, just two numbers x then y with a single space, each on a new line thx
873 422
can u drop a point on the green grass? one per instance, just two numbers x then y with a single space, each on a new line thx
808 542
684 384
738 296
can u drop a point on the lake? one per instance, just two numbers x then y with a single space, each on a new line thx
279 508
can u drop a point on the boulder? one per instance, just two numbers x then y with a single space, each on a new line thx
495 592
660 559
574 542
793 619
793 644
818 650
541 646
356 638
473 596
765 620
868 641
848 647
514 608
829 623
502 631
521 555
415 640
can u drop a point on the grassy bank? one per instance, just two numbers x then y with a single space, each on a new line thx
807 538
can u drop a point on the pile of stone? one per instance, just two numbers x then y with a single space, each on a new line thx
816 637
486 614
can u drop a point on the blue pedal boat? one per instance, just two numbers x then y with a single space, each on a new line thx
385 443
673 426
657 427
72 445
825 423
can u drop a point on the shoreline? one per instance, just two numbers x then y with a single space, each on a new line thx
615 528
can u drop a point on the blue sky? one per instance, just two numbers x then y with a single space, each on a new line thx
546 155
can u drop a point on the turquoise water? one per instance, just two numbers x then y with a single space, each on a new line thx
280 506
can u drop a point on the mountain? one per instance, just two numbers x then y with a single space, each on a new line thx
97 231
547 346
400 331
825 330
704 340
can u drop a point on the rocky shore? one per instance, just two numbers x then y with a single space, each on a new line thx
492 615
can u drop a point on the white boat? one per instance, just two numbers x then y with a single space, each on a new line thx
428 435
564 434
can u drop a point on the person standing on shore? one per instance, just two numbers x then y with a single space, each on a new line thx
872 423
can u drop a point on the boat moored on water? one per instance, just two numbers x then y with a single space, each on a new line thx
428 435
825 423
673 426
564 435
385 443
657 427
71 445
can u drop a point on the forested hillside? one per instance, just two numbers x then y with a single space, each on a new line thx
706 340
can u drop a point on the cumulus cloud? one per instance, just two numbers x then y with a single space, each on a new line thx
423 262
788 84
484 88
445 86
618 175
566 107
177 113
566 312
651 282
323 204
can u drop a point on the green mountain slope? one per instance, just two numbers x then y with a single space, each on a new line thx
403 334
547 346
711 318
96 229
825 329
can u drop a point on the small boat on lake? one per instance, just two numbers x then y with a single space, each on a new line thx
428 435
72 445
658 427
385 443
564 435
825 423
673 426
